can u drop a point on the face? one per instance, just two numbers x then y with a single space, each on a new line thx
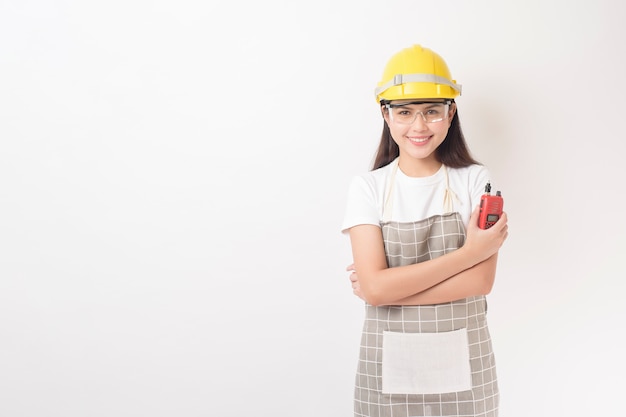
418 139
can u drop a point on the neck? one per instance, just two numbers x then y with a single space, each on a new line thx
419 167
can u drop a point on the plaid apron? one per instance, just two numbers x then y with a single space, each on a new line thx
408 243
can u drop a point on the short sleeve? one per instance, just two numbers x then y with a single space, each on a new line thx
361 207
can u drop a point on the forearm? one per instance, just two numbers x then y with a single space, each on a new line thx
477 280
381 285
384 286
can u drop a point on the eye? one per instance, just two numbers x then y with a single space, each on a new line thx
433 112
402 112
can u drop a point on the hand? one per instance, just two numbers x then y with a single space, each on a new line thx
354 280
485 243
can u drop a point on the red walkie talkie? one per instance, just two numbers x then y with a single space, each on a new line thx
490 208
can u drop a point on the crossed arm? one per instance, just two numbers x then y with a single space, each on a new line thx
469 270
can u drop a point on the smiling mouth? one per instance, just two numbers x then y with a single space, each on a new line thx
419 140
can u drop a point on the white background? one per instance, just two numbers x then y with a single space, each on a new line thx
173 178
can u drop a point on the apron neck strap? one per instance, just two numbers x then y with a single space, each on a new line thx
448 195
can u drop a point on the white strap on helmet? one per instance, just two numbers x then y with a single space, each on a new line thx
416 78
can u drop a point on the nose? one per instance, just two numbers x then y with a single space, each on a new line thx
420 122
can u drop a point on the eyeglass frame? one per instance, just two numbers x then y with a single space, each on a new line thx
388 105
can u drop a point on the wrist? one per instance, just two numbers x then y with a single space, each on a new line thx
470 256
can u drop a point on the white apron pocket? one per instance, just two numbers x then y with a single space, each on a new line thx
426 363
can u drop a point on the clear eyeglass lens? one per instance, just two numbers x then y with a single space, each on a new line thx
407 114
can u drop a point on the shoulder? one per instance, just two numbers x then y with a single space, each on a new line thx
365 198
470 170
472 175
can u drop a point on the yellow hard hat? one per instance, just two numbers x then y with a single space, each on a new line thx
418 73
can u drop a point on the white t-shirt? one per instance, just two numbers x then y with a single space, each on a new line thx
413 199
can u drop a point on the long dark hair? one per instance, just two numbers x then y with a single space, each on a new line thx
453 151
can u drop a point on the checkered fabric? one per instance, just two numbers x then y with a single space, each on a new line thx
408 243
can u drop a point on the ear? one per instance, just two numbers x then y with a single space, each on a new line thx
385 113
451 113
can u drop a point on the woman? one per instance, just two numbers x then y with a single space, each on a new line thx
421 263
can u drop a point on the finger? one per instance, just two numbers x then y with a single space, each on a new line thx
504 219
473 220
